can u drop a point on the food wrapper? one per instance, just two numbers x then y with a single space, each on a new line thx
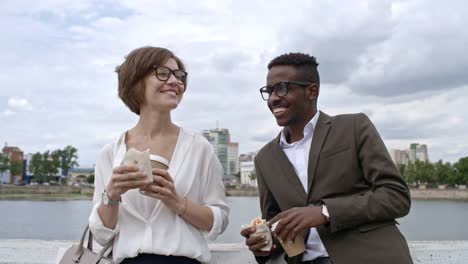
261 228
140 159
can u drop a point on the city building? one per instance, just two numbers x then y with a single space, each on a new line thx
247 168
399 157
247 157
79 175
418 152
226 150
233 158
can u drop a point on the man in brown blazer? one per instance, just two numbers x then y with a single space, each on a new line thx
328 176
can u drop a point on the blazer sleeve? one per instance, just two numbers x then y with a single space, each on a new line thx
388 195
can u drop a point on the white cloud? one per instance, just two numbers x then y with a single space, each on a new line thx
20 104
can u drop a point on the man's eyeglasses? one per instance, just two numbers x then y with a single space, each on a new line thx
280 89
163 73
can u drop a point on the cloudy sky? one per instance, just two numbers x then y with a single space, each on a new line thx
403 63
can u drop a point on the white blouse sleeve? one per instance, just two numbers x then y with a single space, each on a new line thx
101 233
214 197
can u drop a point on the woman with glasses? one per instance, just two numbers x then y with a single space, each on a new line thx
167 218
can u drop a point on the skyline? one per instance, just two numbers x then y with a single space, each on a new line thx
400 62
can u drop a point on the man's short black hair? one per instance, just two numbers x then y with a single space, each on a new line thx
305 63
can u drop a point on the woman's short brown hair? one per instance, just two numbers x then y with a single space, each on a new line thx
137 65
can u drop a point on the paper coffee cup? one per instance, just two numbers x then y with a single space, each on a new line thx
294 248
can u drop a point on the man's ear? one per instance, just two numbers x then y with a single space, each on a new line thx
313 91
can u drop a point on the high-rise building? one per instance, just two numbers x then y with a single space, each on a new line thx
399 157
233 158
418 152
421 152
226 150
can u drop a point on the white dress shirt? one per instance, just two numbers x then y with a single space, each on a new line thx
145 224
298 155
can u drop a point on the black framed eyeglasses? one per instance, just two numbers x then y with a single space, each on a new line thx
280 89
163 73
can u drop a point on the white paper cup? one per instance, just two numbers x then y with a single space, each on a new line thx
294 248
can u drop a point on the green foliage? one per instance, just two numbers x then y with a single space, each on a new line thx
36 167
69 158
90 179
16 167
45 166
4 163
253 175
461 168
434 174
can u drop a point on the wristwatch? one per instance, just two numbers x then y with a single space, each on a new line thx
325 212
106 200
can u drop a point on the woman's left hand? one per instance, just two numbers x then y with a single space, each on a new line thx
163 188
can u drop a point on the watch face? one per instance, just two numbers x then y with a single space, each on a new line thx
105 198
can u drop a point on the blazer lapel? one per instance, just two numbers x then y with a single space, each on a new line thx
280 158
320 134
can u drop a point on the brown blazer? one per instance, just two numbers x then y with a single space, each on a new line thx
351 172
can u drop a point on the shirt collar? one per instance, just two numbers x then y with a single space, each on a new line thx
308 130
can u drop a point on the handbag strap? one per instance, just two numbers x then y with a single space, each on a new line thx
79 250
90 240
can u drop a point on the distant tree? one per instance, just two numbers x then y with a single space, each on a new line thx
49 164
36 167
401 168
427 173
253 175
411 176
4 163
55 160
444 172
90 179
69 159
16 167
461 168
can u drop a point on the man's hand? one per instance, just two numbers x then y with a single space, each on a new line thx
255 243
295 220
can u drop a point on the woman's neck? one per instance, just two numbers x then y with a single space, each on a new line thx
154 123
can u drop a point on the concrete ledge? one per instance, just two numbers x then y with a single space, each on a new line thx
18 251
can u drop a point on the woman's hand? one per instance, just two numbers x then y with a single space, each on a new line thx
163 188
125 178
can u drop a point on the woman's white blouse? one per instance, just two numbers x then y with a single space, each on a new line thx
146 225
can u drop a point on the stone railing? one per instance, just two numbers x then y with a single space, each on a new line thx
46 252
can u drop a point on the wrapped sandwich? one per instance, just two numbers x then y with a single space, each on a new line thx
140 159
261 228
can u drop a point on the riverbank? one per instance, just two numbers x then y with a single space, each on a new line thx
45 193
48 193
416 194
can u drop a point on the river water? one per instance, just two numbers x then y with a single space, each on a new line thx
65 220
